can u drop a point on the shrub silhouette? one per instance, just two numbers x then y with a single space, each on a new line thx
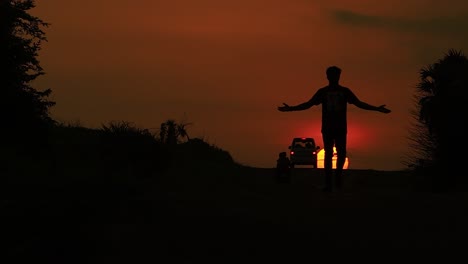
440 125
136 150
197 152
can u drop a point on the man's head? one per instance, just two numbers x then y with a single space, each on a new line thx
333 74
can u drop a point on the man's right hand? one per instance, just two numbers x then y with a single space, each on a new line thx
284 108
383 109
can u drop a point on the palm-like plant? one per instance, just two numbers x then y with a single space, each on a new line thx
182 130
170 132
441 116
441 83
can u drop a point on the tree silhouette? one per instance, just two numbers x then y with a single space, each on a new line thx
23 109
440 128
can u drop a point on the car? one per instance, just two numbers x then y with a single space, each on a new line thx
303 151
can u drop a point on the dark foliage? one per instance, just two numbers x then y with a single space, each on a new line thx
172 133
24 111
126 147
197 151
438 136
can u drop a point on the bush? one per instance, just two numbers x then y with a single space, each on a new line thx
135 150
197 152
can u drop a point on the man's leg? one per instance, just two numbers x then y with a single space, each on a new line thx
341 159
328 142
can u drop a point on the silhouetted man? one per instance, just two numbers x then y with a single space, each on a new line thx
334 99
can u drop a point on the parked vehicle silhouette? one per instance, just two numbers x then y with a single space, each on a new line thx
303 151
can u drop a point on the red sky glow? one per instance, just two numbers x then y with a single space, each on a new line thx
225 66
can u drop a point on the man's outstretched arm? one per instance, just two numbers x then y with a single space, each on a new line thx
315 100
367 106
299 107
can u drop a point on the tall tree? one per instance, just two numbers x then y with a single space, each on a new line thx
23 109
440 131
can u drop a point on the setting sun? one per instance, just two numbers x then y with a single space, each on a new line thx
321 156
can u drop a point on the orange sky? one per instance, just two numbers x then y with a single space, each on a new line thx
225 66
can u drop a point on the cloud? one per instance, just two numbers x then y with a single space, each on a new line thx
455 25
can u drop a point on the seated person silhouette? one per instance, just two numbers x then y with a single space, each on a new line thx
283 168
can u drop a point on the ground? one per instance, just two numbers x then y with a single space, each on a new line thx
244 216
253 217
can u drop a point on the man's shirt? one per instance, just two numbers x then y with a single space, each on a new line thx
334 100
